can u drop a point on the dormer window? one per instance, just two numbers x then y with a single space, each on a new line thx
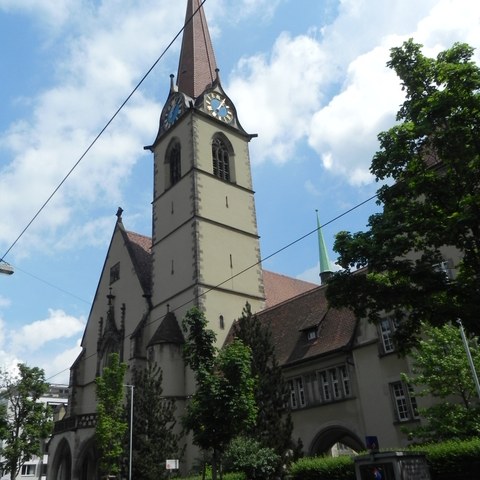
311 334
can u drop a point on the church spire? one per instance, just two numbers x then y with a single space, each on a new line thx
197 65
325 270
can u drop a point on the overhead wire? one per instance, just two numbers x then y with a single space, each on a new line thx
276 252
87 150
94 141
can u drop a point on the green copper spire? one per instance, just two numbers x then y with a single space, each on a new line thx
325 270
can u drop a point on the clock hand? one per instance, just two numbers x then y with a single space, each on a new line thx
220 105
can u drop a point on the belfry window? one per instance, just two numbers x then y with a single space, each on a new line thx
174 163
221 159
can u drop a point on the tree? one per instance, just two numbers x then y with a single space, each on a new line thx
430 163
441 369
224 403
24 421
273 427
111 421
154 439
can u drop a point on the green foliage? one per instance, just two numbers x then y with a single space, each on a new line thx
224 403
248 456
154 439
430 162
451 457
111 424
323 468
273 427
441 369
226 476
24 421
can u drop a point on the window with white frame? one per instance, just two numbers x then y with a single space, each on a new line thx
297 393
325 385
28 470
345 380
293 395
335 383
387 328
404 402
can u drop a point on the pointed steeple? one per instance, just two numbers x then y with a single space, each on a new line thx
325 270
197 65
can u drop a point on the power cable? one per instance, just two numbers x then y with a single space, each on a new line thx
94 141
276 252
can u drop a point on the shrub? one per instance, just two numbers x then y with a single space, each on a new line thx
451 457
248 456
323 468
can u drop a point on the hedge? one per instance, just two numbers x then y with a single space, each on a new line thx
446 461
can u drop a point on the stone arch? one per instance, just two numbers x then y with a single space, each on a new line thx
61 468
328 437
86 467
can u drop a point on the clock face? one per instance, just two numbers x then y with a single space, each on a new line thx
219 107
173 111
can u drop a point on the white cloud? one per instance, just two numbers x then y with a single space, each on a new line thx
53 14
277 95
96 71
34 336
281 96
57 369
344 132
4 302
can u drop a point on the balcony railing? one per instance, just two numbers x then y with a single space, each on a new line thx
87 420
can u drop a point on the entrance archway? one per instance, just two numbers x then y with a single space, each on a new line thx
61 468
327 438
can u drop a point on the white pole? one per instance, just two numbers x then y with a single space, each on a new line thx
469 356
131 433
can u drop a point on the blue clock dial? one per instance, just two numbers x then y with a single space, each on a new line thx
172 112
219 107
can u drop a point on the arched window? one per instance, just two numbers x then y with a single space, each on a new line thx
173 159
221 159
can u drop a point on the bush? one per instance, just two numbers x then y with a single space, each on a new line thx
226 476
248 456
323 468
454 457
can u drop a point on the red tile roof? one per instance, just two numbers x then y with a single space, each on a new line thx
140 248
292 308
290 321
279 288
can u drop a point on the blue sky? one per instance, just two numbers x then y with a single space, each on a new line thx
308 76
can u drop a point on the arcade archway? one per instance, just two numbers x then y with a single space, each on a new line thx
327 438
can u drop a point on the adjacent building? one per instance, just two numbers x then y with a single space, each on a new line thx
36 468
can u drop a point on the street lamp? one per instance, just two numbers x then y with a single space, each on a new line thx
5 268
131 432
469 356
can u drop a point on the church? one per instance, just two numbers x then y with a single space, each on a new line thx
343 373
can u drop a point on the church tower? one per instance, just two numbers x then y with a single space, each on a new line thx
205 243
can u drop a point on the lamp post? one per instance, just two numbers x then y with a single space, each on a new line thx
469 356
131 432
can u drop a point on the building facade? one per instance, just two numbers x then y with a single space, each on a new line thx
343 374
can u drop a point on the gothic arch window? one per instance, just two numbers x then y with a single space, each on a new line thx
222 157
173 161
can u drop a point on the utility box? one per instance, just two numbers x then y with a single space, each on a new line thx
392 466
